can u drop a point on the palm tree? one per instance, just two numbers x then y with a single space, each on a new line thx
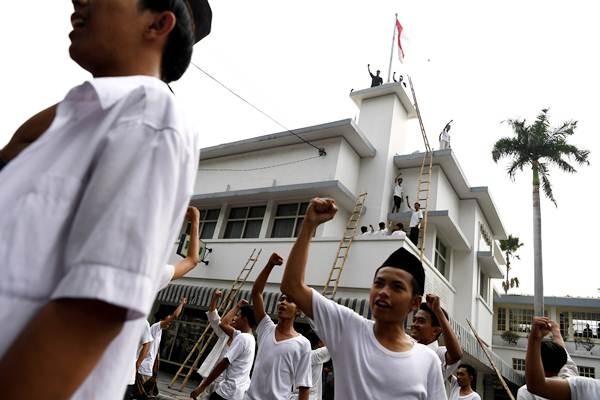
510 246
539 146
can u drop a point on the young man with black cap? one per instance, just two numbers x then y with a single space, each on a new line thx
372 359
100 197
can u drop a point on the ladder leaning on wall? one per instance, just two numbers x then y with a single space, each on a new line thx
424 184
207 335
341 254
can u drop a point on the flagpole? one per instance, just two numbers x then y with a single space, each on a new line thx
392 49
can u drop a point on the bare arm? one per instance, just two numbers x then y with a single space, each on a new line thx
225 323
259 286
292 284
408 203
369 69
214 374
28 133
537 383
214 301
303 393
179 308
72 335
454 351
187 264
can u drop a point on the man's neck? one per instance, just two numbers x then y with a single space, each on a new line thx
465 390
141 64
391 335
286 326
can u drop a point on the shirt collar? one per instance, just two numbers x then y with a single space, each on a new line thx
109 90
433 345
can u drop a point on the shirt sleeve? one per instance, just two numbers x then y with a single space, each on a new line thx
569 369
303 373
265 326
331 319
214 319
238 347
320 356
584 388
147 334
435 382
121 232
166 274
448 369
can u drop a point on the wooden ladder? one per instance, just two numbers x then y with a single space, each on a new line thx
424 185
208 334
344 248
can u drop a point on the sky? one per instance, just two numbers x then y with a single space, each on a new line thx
478 63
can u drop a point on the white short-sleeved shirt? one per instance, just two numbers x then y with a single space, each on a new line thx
398 190
279 366
454 391
166 275
447 369
219 349
415 218
584 388
100 196
318 357
399 234
146 337
148 363
364 369
236 378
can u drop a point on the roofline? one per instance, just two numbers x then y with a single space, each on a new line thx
345 128
446 160
582 302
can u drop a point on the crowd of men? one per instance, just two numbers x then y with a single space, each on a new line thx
94 190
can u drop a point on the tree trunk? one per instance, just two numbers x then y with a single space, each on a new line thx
538 276
507 270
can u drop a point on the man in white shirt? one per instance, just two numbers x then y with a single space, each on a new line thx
383 231
142 351
371 359
283 358
398 232
572 388
100 196
318 356
398 190
445 137
555 360
462 385
416 216
429 323
234 369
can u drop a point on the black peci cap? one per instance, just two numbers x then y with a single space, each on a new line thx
201 17
403 259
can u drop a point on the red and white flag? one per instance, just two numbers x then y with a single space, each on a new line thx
400 51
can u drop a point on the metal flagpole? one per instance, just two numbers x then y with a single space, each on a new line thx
392 50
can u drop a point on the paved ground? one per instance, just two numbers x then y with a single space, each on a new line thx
172 394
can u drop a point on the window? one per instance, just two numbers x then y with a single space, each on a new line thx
501 319
586 324
520 320
244 222
518 364
483 286
288 219
440 256
208 222
564 324
588 372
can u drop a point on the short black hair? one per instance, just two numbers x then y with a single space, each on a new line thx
382 225
247 312
470 370
403 259
554 356
364 229
434 319
177 53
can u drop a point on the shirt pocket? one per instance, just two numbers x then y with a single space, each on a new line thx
34 237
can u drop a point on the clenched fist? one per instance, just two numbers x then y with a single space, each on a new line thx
320 210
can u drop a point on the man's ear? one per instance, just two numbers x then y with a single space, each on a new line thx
161 25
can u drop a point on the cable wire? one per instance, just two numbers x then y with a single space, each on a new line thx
320 149
258 168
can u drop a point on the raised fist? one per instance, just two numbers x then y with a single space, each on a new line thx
433 301
192 214
320 210
540 327
275 259
218 293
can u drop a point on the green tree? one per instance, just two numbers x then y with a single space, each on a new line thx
510 246
538 146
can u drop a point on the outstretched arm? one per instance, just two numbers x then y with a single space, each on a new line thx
408 203
182 303
214 374
72 335
454 351
369 69
187 264
225 323
555 389
319 211
259 286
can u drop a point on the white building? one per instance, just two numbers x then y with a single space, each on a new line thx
253 194
578 318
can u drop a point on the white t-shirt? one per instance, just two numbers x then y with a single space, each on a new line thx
166 274
236 378
145 338
415 218
106 212
148 363
447 370
399 234
279 366
584 388
318 357
454 392
219 349
364 369
445 136
398 190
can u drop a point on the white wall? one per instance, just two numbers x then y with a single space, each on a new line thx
347 168
444 197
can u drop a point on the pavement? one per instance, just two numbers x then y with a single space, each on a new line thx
164 393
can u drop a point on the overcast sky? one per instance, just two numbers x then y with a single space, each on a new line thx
476 62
